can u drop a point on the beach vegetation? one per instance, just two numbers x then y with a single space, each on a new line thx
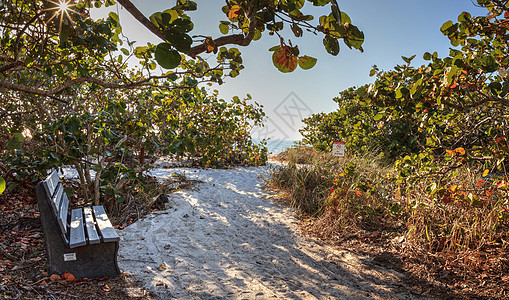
427 152
76 91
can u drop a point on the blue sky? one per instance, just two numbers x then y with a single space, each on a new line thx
392 28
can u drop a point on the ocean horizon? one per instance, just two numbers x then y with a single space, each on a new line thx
276 145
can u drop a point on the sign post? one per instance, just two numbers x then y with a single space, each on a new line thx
338 149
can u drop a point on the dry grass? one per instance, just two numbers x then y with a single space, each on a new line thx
459 221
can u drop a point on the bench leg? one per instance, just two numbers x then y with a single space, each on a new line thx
90 261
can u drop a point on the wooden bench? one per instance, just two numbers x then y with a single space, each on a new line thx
81 241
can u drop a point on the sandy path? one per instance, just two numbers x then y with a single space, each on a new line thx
228 240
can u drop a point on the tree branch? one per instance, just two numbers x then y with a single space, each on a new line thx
235 39
486 99
138 15
52 92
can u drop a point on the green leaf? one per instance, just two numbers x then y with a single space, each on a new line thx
331 45
167 57
169 15
157 19
320 2
430 142
186 5
355 38
464 17
224 28
495 87
181 41
307 62
446 26
113 16
125 51
408 59
379 116
2 185
427 56
345 18
15 142
297 31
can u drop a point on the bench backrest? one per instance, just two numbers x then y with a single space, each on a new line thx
58 199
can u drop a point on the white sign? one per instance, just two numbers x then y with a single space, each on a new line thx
338 149
69 256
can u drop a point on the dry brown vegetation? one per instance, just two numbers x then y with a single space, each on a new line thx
456 237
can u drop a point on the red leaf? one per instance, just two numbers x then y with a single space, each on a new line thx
284 60
446 199
69 277
480 182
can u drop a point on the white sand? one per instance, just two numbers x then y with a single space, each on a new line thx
228 240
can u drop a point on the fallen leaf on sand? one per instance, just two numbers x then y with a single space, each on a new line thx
69 277
55 277
106 288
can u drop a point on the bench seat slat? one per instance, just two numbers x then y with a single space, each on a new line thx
106 230
62 214
93 235
77 229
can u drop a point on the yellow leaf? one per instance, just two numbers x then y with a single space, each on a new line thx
450 152
485 173
453 188
234 12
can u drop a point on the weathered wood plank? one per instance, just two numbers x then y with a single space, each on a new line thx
62 213
93 235
77 229
106 230
57 197
50 184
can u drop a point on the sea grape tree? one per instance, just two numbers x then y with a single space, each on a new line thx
58 66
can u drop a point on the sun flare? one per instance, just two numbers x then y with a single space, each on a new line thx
62 8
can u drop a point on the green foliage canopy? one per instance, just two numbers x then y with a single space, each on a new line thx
453 108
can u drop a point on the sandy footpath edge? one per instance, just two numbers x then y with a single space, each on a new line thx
226 239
